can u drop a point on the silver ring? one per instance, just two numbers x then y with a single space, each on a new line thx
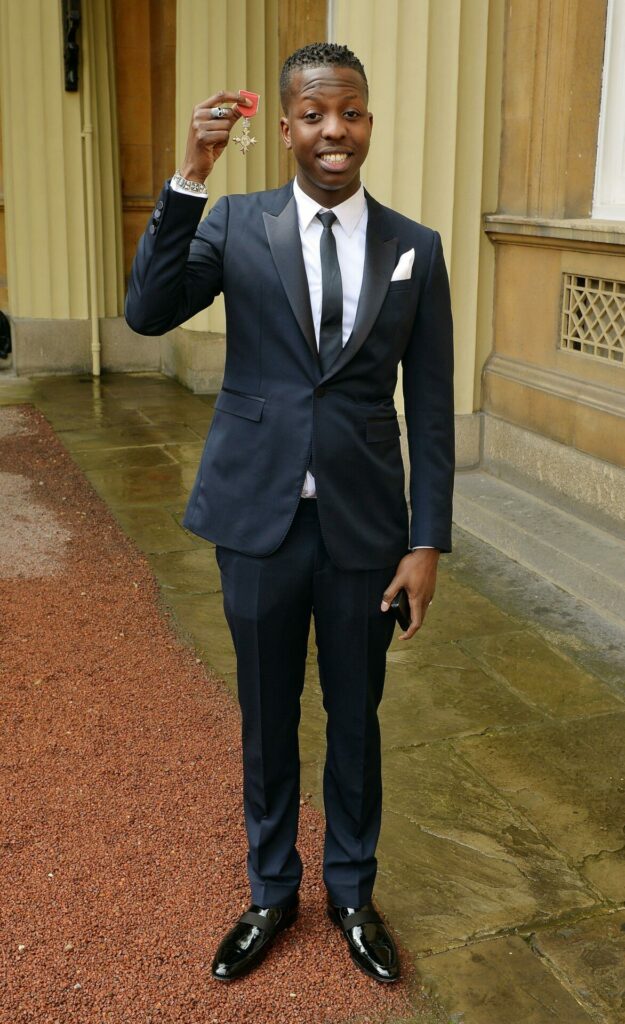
219 112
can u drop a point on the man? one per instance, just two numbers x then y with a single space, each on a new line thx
301 482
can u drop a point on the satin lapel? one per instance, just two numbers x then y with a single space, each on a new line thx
380 260
286 249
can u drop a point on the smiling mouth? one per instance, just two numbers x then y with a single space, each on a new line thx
334 159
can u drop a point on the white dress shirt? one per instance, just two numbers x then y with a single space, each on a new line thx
350 234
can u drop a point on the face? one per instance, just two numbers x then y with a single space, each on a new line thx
328 127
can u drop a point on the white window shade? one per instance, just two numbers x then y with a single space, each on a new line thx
609 197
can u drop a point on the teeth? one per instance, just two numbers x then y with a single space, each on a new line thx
334 158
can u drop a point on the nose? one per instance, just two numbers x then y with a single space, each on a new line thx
333 127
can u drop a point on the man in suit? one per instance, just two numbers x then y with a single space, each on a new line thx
301 482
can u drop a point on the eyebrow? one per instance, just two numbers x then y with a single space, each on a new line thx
315 96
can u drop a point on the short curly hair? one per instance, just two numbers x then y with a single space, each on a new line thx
318 55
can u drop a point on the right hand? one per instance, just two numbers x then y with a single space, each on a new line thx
208 136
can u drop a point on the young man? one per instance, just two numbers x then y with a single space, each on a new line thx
301 482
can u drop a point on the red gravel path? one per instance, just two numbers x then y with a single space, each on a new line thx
122 849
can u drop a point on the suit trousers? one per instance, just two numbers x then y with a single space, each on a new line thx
268 604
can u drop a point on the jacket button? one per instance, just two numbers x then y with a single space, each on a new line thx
152 229
157 213
320 392
160 204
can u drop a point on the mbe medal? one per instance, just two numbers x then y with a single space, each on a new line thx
245 141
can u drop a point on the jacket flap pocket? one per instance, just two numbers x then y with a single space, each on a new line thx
383 430
247 406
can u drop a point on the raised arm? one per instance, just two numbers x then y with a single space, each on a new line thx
166 286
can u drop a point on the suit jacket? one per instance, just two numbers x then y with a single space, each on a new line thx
277 410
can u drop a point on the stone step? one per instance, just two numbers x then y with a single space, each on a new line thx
585 561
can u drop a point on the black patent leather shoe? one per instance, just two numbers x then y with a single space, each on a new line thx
245 945
371 946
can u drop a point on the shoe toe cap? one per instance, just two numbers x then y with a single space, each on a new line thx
221 970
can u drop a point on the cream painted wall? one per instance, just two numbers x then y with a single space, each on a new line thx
435 146
46 228
41 124
229 46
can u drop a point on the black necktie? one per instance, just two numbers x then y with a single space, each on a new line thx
331 328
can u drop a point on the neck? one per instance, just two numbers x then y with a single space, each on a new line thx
327 197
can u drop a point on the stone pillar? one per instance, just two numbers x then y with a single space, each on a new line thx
3 256
434 152
46 227
223 46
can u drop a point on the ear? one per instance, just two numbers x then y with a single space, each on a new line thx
286 131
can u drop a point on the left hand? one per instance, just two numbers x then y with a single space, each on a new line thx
416 573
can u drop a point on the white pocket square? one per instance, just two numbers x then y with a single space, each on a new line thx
403 270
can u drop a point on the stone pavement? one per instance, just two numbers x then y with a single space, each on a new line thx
502 854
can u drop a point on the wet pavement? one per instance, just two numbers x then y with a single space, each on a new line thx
502 854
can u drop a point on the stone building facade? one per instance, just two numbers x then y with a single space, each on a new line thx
495 121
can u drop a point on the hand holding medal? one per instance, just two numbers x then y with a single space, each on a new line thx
245 140
209 131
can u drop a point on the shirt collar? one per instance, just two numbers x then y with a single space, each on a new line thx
348 213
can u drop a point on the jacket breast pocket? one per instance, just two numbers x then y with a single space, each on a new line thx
250 407
383 429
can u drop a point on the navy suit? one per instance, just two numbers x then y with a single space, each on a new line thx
282 558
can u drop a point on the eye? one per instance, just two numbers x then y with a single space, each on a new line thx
311 116
352 114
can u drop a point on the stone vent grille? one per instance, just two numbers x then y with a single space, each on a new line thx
593 318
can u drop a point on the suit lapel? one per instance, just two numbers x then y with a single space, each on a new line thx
380 260
286 249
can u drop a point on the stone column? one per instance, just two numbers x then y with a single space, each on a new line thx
434 152
46 228
223 46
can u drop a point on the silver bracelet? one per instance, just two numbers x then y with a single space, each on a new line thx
189 186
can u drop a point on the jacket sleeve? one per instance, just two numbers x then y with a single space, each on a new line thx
177 269
429 408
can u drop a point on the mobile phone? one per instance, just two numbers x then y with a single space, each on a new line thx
400 607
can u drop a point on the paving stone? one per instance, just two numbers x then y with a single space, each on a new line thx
456 861
191 572
480 617
201 619
197 415
590 954
568 778
15 392
142 457
169 396
140 382
189 453
85 417
540 675
499 981
606 871
146 485
448 694
566 623
125 436
154 529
